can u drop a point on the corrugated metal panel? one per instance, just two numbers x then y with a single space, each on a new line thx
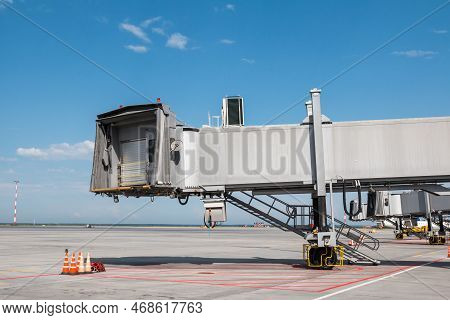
388 150
133 163
414 203
440 203
99 178
384 149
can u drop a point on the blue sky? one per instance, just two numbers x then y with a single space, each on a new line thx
191 54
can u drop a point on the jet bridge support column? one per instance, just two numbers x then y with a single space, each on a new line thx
441 225
428 213
321 249
318 163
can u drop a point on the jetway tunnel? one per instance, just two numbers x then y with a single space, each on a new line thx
142 150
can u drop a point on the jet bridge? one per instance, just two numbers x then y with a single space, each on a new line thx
142 150
403 210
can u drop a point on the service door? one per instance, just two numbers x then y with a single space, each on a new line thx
133 162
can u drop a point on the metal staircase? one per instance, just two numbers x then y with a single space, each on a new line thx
345 232
298 218
276 212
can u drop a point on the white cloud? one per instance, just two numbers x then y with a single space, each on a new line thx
159 31
60 151
415 53
249 61
440 31
230 7
2 6
137 49
177 41
227 41
31 152
135 30
7 159
150 21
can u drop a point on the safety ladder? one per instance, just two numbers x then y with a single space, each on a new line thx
298 218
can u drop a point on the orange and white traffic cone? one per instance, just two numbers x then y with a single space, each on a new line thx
80 263
448 251
351 243
73 265
65 268
88 263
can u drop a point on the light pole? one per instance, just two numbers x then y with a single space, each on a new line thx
15 201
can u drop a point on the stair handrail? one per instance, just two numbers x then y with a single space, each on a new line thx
275 221
375 242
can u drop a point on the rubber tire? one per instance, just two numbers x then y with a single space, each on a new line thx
314 256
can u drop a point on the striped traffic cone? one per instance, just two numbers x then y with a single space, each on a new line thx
73 265
448 251
88 263
80 263
65 268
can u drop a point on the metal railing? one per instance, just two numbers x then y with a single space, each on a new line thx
271 212
351 233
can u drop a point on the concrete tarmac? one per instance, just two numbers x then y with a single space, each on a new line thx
224 263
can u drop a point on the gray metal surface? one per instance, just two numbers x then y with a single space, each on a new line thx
390 151
136 142
440 203
414 203
278 158
318 146
417 203
401 149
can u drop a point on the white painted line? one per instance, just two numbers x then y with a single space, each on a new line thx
374 280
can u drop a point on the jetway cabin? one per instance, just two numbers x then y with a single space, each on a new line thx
132 153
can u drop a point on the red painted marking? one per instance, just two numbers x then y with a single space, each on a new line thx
362 279
256 283
375 276
319 278
295 282
30 276
276 287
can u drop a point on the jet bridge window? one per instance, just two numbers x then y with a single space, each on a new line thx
233 111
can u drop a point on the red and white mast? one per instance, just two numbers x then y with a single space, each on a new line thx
15 201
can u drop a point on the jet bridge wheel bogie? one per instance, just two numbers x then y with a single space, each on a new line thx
437 240
324 258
